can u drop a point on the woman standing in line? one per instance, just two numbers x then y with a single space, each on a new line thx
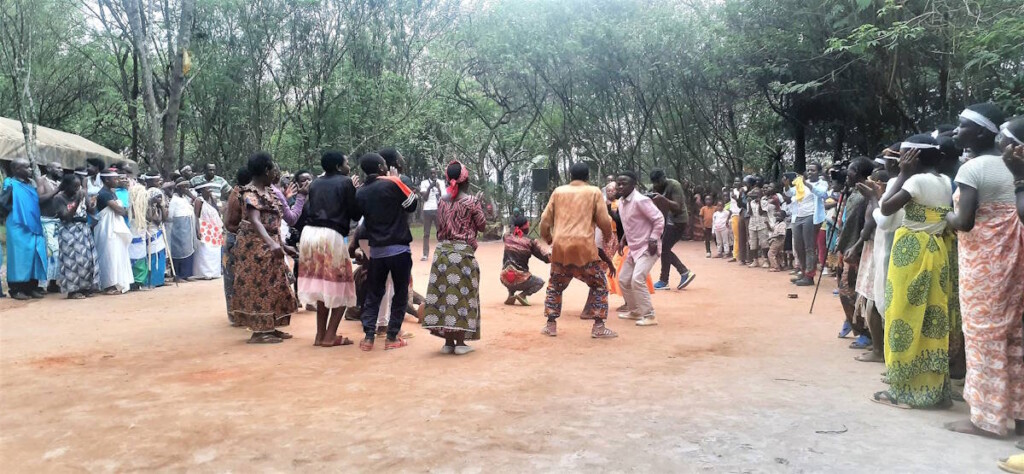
78 275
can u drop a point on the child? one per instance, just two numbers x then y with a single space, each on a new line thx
707 221
777 241
758 229
720 224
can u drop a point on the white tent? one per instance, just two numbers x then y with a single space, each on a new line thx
68 149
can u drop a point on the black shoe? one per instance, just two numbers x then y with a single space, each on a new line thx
797 277
804 282
36 293
20 296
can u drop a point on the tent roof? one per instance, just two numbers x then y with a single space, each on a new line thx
54 145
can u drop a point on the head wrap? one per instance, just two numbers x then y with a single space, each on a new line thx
980 119
1005 130
453 184
109 173
518 225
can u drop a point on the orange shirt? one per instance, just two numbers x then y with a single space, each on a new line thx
707 214
568 223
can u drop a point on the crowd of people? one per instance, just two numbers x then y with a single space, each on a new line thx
926 243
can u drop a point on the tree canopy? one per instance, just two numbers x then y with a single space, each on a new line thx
705 90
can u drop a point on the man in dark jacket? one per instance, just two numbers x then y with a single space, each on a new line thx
385 202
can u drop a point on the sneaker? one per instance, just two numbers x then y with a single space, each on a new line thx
661 285
687 279
623 309
845 331
805 281
463 350
796 276
600 331
648 321
551 329
707 255
424 259
446 349
630 315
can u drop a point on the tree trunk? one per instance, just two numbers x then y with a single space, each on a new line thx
140 41
176 84
800 146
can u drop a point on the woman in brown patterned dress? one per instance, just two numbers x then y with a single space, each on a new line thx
263 299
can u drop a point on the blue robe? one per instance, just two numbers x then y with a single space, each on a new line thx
26 245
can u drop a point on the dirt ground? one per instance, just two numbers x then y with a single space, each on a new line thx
737 378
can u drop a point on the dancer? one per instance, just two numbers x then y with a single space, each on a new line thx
516 274
567 225
453 297
325 270
384 202
917 321
26 245
233 211
671 200
263 299
643 225
991 286
209 233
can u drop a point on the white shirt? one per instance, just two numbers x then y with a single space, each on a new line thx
435 195
928 190
990 177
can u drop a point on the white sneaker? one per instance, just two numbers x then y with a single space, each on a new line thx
630 315
463 350
447 349
647 321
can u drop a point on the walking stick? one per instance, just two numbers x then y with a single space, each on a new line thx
167 247
828 239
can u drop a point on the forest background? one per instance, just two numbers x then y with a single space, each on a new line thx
706 90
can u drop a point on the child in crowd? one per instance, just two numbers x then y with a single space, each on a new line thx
723 234
707 214
777 241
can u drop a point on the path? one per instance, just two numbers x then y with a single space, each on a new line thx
737 378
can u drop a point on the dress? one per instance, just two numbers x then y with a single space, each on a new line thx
991 289
263 299
453 295
917 318
78 256
211 238
26 245
325 269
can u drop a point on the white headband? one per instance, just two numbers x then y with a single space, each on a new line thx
108 175
1005 129
979 119
81 173
206 185
918 146
880 161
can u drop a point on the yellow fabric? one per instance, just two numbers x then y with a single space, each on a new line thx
1013 463
801 189
917 316
735 232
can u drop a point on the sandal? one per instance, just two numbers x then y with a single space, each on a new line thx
366 345
111 291
282 334
264 338
398 343
338 341
522 300
1013 464
883 398
76 296
511 300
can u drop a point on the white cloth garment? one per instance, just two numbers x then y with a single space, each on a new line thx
112 240
207 262
633 281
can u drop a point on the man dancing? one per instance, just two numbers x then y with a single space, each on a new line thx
644 225
567 225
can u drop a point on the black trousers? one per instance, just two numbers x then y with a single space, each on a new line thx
400 268
668 258
709 236
23 286
428 223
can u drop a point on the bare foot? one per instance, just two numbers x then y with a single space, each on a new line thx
966 427
870 357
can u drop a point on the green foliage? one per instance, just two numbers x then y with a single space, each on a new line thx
705 90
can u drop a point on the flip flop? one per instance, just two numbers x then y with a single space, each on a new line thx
398 343
883 398
366 345
1013 464
522 300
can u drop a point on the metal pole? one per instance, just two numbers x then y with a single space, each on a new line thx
828 239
